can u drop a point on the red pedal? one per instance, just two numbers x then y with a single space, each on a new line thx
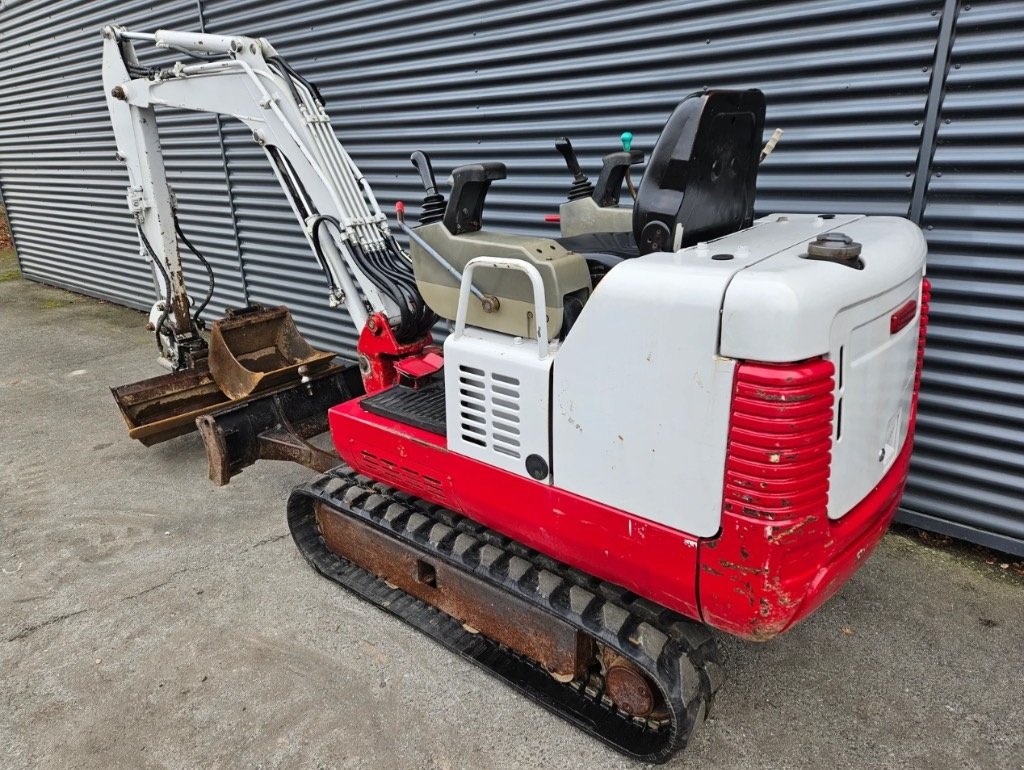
417 367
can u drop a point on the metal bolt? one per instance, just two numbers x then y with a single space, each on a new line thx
118 93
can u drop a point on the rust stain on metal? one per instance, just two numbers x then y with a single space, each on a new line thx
627 685
788 398
762 631
747 592
560 648
258 349
743 568
780 535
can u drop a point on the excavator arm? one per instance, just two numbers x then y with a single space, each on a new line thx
246 79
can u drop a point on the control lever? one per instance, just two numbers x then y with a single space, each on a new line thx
769 146
609 184
626 137
581 186
490 304
470 184
432 209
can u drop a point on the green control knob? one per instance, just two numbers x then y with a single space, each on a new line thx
627 140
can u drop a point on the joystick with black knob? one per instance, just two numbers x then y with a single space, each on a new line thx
581 186
432 209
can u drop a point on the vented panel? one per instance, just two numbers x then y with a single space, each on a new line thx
490 410
400 476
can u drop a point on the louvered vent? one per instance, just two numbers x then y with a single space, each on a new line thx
489 410
404 478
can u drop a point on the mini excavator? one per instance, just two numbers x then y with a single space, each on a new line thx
673 418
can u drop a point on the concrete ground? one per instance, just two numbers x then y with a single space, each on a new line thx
150 619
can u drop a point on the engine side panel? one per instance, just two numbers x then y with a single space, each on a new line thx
640 399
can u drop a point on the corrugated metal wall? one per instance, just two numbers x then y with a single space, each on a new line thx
967 475
64 190
851 82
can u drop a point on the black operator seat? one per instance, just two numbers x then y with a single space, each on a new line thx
701 177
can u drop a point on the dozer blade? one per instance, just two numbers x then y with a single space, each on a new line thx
278 426
259 348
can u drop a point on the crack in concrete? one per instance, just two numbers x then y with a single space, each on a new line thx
144 591
29 630
265 541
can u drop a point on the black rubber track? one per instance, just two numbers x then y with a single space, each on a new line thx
677 653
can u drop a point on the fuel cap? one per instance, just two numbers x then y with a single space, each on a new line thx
837 246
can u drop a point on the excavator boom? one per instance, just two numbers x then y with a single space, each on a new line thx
260 350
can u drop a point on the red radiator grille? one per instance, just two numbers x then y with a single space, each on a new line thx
780 440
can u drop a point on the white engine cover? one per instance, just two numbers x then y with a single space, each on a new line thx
642 385
640 400
788 308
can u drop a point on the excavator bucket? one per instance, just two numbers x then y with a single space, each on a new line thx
257 349
167 406
253 353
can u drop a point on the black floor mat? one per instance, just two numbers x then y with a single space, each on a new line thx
421 407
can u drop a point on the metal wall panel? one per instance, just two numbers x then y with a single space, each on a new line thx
64 190
968 465
499 80
469 81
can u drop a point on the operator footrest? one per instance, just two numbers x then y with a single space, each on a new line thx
420 407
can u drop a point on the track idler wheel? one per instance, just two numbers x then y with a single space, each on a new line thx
629 688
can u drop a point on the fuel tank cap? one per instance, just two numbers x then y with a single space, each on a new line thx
839 246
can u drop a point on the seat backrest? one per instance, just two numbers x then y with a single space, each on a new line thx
703 171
